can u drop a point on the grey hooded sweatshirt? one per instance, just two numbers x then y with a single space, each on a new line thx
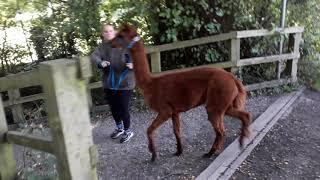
117 59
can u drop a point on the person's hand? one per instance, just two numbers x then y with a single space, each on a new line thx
129 65
105 64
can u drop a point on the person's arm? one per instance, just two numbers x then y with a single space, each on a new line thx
96 57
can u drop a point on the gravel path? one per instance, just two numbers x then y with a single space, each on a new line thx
291 150
132 160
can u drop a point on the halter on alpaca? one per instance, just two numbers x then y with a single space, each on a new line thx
169 94
134 40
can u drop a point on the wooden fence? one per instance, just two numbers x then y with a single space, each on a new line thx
65 88
235 61
234 39
67 102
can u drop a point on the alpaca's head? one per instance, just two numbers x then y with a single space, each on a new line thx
126 37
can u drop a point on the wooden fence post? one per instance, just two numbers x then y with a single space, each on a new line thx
17 110
155 62
235 55
294 63
69 119
7 161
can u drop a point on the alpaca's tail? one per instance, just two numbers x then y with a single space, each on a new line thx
240 100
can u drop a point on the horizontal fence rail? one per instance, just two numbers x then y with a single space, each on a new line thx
190 43
265 32
24 99
267 59
20 80
40 143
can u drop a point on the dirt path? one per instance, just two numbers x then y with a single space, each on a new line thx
291 150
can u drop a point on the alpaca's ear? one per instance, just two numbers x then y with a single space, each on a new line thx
129 30
126 27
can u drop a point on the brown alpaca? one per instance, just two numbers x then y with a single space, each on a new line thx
171 93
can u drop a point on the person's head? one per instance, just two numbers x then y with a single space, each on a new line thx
108 32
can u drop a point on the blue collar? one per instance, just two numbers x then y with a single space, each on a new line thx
134 40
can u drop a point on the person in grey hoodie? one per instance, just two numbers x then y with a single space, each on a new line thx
118 81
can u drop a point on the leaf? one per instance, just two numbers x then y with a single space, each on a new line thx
212 27
204 4
162 14
219 12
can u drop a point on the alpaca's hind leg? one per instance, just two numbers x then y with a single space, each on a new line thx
176 130
216 120
245 118
161 118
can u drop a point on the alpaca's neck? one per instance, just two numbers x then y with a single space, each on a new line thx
141 65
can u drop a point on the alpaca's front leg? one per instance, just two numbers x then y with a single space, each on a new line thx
176 130
161 118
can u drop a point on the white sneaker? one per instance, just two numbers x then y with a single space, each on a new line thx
127 135
116 133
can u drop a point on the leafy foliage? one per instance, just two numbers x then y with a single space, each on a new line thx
10 55
66 29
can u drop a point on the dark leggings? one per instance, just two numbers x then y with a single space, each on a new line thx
118 101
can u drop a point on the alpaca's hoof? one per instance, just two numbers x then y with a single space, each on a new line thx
213 152
153 158
241 143
178 153
217 152
207 155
